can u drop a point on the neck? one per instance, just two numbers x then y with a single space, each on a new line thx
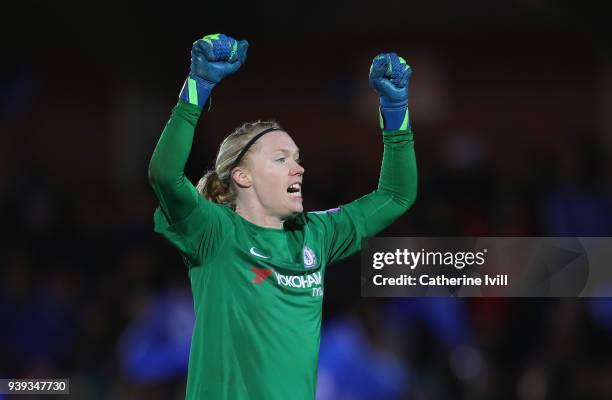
259 217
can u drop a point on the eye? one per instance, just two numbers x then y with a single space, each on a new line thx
281 159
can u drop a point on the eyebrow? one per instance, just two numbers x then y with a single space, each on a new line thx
286 151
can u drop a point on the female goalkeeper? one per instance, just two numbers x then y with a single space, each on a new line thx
255 260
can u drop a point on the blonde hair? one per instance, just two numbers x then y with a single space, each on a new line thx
216 185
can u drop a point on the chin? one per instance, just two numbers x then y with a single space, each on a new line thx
293 211
295 206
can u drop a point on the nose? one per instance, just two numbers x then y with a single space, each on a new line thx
297 169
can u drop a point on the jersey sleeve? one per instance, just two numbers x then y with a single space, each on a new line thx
200 234
176 194
184 217
343 228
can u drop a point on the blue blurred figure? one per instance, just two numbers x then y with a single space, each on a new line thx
350 368
446 318
155 347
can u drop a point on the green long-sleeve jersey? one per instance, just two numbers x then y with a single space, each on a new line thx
258 291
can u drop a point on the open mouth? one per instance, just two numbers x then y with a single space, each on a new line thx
295 190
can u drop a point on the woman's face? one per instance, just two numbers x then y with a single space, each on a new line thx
277 175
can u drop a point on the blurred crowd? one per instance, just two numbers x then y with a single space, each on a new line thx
505 148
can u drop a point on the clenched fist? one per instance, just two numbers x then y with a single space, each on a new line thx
212 58
390 76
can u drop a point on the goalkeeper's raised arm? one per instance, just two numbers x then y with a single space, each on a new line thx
212 59
390 78
397 185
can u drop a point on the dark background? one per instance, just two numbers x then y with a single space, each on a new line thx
511 104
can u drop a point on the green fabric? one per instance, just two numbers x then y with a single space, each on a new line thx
258 291
177 196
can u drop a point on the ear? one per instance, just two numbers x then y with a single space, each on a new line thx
242 177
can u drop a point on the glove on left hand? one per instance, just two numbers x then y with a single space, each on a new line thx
212 58
390 76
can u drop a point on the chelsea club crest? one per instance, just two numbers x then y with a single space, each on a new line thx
310 259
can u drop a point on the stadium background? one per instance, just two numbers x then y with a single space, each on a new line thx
511 106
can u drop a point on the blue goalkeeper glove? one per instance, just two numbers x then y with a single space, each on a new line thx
212 58
389 76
